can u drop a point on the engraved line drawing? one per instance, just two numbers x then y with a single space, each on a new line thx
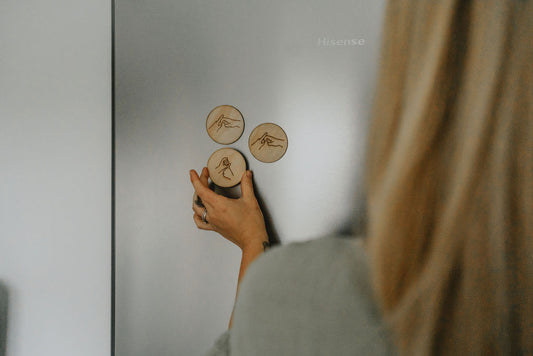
268 140
226 164
224 121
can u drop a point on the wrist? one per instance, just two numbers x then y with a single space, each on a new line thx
259 243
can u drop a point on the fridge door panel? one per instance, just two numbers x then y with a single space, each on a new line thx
307 66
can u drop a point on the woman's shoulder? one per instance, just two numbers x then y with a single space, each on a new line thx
313 259
309 296
324 248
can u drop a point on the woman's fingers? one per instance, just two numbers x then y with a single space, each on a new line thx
204 177
247 185
198 209
206 194
197 201
200 224
198 217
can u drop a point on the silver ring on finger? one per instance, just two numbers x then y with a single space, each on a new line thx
204 216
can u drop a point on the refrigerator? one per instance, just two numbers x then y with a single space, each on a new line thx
307 66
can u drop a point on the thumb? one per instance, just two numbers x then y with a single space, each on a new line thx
247 185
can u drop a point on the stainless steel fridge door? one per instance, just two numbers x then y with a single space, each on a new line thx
308 66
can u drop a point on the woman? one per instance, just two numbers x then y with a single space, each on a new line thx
449 245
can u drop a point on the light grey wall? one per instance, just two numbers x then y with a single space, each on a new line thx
55 177
176 60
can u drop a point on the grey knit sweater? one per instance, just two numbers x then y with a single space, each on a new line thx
311 298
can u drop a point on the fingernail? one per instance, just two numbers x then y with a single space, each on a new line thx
249 174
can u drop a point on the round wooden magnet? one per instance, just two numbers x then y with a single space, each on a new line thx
225 124
268 142
226 167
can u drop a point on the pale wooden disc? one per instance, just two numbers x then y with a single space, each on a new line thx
225 124
226 167
268 142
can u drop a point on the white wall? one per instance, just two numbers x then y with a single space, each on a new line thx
55 177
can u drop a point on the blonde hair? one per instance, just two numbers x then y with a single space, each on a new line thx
450 177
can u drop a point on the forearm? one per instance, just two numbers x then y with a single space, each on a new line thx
249 254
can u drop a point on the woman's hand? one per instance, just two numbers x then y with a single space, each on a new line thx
238 220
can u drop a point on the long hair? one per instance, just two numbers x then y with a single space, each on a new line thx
450 177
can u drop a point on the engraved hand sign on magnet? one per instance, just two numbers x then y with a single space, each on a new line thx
268 142
225 124
226 167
